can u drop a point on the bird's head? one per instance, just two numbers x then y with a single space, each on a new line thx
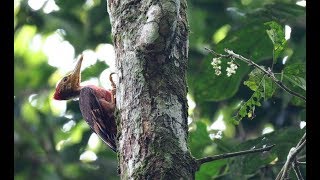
69 85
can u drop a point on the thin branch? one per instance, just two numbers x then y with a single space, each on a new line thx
304 163
268 72
227 155
217 54
298 149
301 140
291 158
296 169
301 157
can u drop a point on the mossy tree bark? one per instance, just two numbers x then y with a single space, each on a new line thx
151 44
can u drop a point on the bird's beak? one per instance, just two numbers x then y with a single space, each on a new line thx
76 74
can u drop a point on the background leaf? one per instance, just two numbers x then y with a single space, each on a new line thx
277 36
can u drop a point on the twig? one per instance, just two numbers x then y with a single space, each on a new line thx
227 155
301 157
269 73
297 170
217 54
299 162
301 140
291 158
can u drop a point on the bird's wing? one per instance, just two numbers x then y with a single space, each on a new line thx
97 118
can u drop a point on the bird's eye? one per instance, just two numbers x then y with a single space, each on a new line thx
65 79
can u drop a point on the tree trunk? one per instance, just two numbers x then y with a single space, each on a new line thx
151 44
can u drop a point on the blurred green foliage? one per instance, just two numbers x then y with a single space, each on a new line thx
49 139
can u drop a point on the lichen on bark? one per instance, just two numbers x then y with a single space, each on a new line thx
151 43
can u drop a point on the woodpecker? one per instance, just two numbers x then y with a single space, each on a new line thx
97 104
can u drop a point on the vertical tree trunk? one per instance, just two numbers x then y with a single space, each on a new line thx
151 43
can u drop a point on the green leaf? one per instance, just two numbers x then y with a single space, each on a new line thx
280 11
263 87
296 69
199 139
210 170
28 78
221 33
255 78
294 78
258 81
277 36
298 81
30 114
22 39
284 140
94 70
247 109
